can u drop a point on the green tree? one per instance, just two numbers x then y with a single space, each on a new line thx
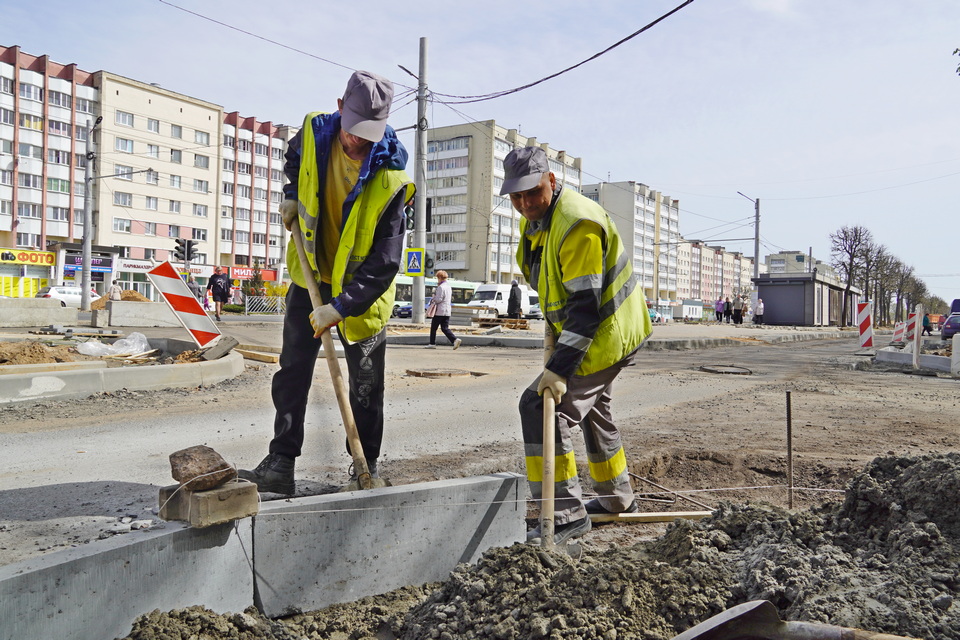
254 286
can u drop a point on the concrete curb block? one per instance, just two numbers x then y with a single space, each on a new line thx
82 383
926 361
296 555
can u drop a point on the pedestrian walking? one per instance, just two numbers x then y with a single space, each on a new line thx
345 193
441 302
194 287
718 308
758 314
571 253
727 310
737 309
219 286
514 303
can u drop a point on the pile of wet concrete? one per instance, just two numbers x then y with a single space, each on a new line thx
886 559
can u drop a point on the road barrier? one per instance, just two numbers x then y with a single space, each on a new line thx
899 329
865 323
911 327
183 304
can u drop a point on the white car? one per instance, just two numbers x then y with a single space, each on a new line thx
69 296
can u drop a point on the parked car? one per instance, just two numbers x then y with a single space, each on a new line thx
535 312
950 326
69 296
405 309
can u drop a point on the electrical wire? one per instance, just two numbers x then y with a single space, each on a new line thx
506 92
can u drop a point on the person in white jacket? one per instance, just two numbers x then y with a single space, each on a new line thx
440 304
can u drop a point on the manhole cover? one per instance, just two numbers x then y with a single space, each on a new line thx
726 368
438 373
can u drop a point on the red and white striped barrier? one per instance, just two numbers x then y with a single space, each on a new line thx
911 327
865 323
183 304
899 329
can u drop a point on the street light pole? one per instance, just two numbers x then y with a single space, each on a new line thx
756 234
420 180
87 248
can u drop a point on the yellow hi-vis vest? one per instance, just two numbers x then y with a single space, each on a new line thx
624 320
356 234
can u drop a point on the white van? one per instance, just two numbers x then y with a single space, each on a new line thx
496 297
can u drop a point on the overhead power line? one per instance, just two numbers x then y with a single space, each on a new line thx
500 94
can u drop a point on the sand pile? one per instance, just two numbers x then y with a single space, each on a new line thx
128 295
885 560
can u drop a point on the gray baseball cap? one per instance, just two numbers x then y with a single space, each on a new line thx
523 169
366 105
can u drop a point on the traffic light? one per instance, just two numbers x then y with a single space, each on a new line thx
410 214
428 264
429 212
191 250
180 253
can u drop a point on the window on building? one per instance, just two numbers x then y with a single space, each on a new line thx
6 146
241 236
203 162
149 228
277 153
200 210
122 199
121 224
124 119
226 212
174 206
200 234
59 128
28 210
201 186
6 177
149 254
29 181
226 234
228 165
228 188
243 145
229 141
173 231
153 151
176 131
243 168
201 137
82 133
243 191
274 240
261 149
242 260
259 215
176 156
123 172
28 240
85 106
259 194
30 121
276 196
60 99
152 177
243 214
152 203
56 156
6 207
25 150
153 125
57 185
260 238
6 85
31 92
260 172
7 116
276 174
124 145
58 214
174 181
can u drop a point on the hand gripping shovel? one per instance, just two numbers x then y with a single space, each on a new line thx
758 620
364 479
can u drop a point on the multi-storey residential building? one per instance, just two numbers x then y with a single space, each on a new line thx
649 224
251 183
475 230
794 262
161 166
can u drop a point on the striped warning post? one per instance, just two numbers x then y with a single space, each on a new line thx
911 330
865 322
898 330
183 304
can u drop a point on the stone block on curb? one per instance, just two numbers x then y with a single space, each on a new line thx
231 501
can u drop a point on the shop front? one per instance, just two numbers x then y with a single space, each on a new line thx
23 272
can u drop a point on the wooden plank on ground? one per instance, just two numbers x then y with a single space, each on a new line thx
653 516
259 357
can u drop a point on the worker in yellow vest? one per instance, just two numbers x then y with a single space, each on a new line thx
346 192
596 316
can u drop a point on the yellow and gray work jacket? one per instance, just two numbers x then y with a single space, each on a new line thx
371 231
598 318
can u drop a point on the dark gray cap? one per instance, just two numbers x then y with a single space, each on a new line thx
523 169
366 105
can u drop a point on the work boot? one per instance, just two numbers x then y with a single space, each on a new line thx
274 474
562 532
594 507
371 466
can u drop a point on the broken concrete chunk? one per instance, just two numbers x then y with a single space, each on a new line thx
200 468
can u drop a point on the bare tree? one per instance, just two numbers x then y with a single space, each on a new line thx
848 249
902 275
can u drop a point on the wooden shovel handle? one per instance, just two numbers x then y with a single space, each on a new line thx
339 385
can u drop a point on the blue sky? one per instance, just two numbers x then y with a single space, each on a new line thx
831 113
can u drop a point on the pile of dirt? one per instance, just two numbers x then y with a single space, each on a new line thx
36 352
128 295
885 559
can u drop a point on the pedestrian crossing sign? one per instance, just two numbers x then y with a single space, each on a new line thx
413 262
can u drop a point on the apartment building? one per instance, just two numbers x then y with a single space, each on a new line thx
649 224
475 231
251 190
164 166
794 262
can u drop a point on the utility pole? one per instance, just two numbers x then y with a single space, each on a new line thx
420 181
90 155
756 235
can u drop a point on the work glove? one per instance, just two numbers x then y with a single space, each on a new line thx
553 381
289 211
322 318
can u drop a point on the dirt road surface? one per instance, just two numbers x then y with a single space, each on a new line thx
72 469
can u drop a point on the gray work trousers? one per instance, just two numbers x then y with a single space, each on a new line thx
587 404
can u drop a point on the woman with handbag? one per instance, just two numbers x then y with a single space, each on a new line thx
439 312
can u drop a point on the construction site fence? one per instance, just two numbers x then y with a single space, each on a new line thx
274 305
